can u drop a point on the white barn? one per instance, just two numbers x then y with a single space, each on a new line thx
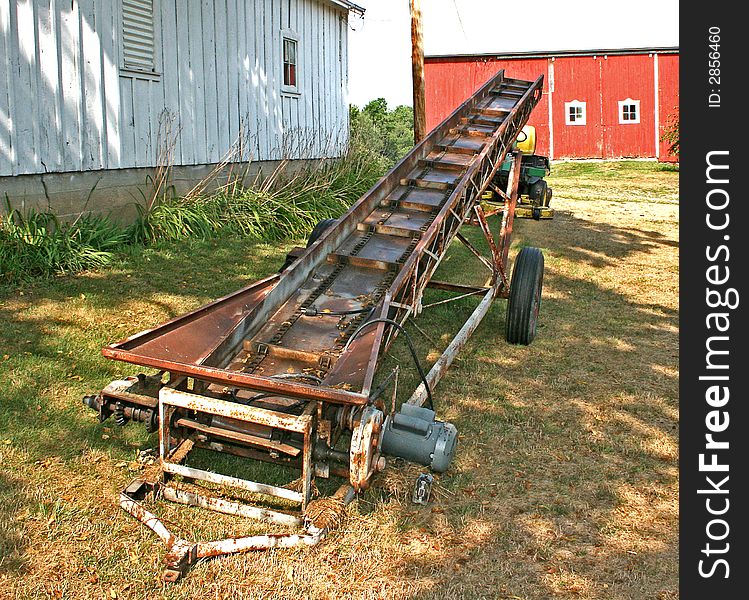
88 88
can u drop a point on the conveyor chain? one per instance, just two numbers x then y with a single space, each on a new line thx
374 297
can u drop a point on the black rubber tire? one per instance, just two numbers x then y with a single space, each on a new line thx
290 260
537 192
547 201
525 296
319 229
316 233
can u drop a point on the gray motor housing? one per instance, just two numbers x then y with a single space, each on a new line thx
414 434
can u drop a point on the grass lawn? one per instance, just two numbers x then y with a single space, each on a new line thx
565 482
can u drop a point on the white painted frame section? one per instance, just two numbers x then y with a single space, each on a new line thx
582 112
628 103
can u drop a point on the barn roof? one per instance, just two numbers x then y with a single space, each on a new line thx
350 6
558 53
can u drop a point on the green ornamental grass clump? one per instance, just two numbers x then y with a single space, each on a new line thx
37 244
287 204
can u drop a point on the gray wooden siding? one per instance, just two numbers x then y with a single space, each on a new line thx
67 105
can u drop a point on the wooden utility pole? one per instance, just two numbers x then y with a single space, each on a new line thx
417 62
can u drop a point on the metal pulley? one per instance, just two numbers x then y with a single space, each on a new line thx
364 453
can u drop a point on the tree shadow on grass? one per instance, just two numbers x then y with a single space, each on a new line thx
560 441
594 243
12 539
52 335
565 478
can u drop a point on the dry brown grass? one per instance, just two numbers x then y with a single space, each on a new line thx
565 483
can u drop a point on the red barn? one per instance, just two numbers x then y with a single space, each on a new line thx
597 103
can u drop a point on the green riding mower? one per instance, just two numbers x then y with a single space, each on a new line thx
534 193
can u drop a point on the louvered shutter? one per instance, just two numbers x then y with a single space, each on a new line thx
137 35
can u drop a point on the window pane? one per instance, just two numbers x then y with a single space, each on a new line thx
289 62
289 51
575 112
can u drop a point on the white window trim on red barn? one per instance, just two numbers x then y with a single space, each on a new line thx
576 120
629 103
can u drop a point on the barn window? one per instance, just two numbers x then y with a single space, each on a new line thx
289 62
574 112
290 51
138 40
629 111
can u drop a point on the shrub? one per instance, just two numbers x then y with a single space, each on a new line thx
388 133
287 204
671 134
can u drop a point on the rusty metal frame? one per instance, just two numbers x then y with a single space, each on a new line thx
175 448
467 196
193 368
172 455
500 285
406 289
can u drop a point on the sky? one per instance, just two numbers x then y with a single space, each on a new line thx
380 43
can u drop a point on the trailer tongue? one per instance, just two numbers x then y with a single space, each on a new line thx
283 371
